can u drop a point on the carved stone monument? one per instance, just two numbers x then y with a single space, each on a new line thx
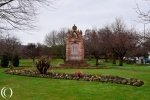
74 49
74 45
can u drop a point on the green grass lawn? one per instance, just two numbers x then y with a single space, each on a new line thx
29 88
26 63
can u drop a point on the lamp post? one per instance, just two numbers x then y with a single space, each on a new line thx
144 32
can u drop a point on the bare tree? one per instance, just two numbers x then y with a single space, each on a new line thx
61 40
31 51
9 46
123 40
19 14
51 38
105 41
86 44
57 41
35 50
147 44
61 36
144 14
42 50
92 44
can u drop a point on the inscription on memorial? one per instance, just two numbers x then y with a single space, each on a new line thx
74 52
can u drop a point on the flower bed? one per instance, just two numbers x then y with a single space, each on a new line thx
78 76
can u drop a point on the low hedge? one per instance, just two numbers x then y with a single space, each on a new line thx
78 76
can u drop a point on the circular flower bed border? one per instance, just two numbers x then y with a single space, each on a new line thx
78 76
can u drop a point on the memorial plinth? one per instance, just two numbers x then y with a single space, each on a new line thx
74 49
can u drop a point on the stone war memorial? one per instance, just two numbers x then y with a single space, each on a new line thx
74 49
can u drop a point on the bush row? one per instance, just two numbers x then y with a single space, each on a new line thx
5 61
78 76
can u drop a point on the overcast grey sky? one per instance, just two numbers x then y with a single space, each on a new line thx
84 13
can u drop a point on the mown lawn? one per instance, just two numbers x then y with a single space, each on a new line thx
29 88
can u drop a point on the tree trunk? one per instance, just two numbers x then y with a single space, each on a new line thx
90 57
114 60
142 61
121 61
106 59
33 59
97 62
